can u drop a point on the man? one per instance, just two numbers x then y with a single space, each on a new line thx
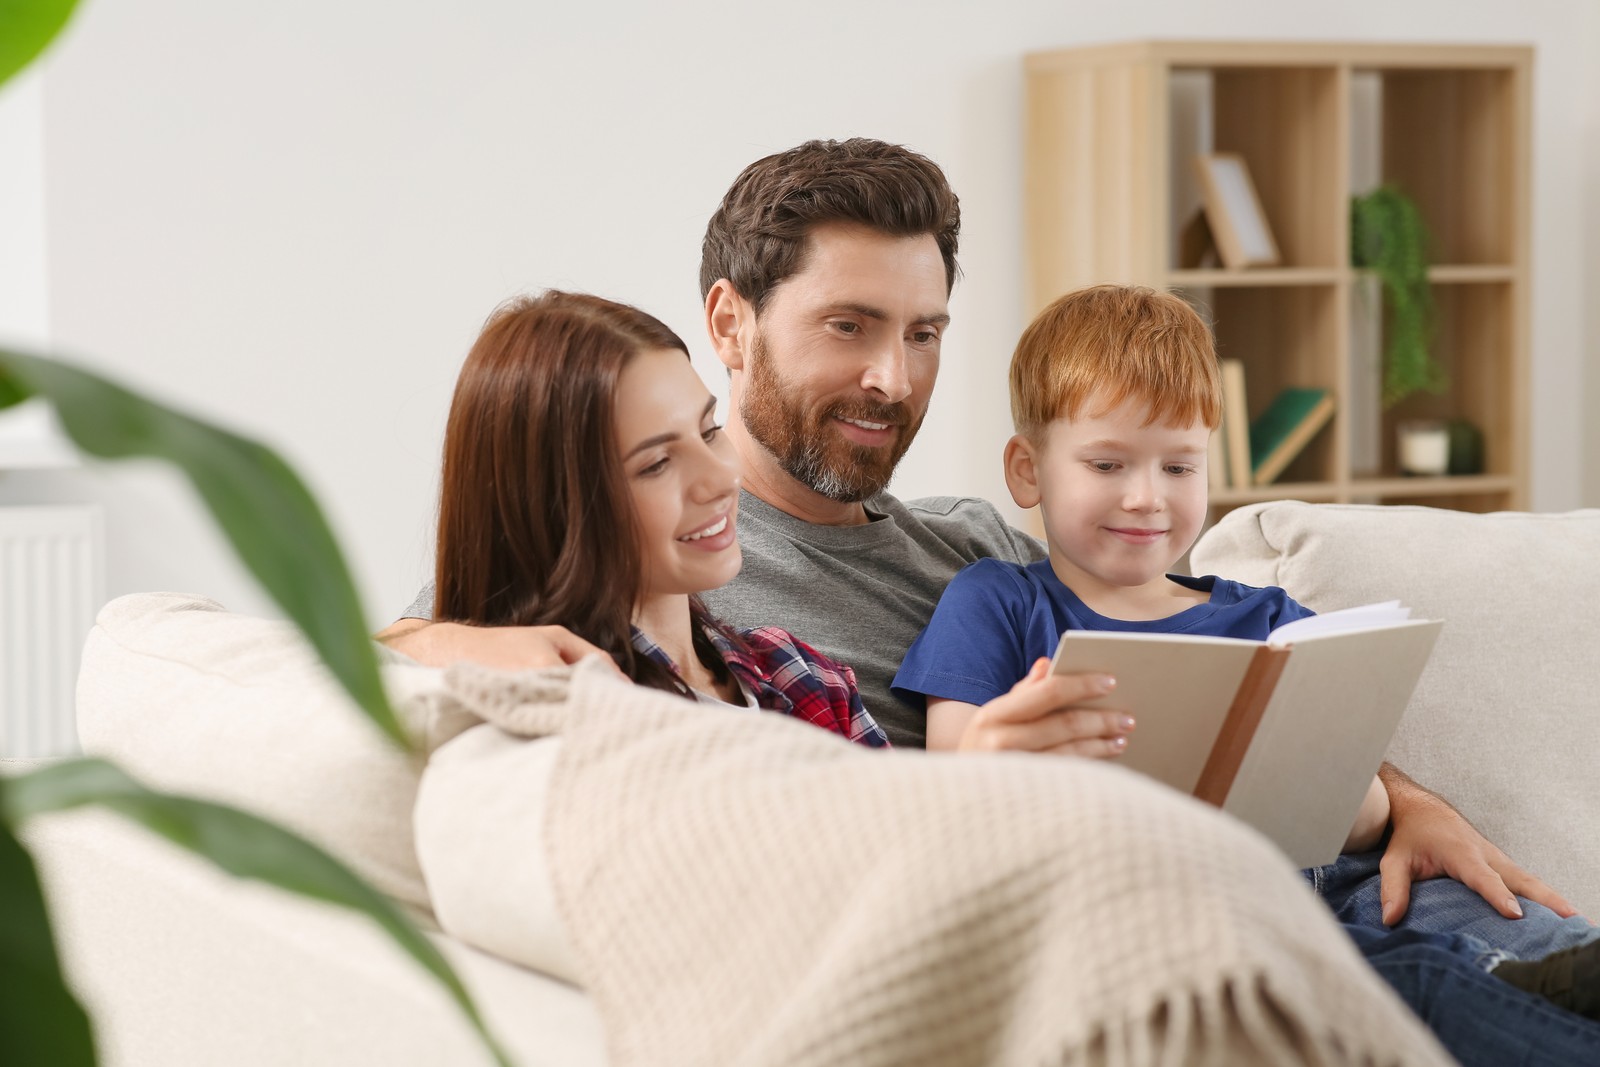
826 273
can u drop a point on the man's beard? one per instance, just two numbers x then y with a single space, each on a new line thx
807 447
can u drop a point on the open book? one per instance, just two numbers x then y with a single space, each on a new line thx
1285 733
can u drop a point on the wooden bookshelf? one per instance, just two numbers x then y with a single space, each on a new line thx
1110 137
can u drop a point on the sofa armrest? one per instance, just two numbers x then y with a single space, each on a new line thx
180 964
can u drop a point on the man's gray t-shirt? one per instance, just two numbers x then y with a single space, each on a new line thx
861 594
858 594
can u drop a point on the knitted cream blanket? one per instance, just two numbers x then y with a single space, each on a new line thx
745 889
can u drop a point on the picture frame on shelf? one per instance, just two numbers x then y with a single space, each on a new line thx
1238 224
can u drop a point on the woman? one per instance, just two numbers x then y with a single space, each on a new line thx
586 484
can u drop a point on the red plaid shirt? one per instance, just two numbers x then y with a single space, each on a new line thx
790 677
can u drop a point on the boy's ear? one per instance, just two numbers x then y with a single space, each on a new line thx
728 317
1022 471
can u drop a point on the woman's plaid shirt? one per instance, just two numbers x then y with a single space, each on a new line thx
790 677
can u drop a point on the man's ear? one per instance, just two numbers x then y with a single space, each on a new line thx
728 317
1022 471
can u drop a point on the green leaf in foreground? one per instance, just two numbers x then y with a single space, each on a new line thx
41 1020
11 390
241 844
268 515
26 26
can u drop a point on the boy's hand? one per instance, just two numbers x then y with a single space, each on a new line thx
1040 714
507 648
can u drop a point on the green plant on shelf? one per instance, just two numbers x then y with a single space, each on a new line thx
1389 238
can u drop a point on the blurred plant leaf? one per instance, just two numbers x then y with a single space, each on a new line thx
11 390
26 27
240 843
266 512
41 1020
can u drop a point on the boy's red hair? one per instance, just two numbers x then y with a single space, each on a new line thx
1115 343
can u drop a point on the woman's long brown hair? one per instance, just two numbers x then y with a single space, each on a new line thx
536 522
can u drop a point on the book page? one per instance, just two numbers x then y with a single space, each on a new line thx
1324 733
1177 687
1365 617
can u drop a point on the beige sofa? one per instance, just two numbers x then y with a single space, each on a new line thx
181 965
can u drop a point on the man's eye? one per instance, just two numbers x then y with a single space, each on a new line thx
847 327
924 337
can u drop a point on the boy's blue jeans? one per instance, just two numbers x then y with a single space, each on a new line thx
1350 886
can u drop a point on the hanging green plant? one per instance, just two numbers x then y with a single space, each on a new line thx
1388 237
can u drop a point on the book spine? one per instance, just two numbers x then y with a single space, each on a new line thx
1236 423
1217 460
1239 728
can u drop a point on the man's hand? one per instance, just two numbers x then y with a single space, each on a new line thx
511 648
1039 714
1431 840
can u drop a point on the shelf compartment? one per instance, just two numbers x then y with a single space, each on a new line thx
1286 123
1475 345
1452 142
1286 336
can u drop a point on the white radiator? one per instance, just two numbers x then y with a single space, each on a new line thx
52 565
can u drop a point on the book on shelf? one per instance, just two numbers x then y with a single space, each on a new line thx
1235 424
1217 458
1283 430
1285 734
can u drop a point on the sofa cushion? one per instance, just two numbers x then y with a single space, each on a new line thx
480 820
1505 722
192 698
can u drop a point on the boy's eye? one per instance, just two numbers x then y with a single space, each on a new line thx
1105 466
1179 469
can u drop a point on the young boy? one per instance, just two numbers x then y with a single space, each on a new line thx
1115 393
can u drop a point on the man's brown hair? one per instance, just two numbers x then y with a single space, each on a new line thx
757 236
1115 343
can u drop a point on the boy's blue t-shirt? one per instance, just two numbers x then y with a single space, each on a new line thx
995 618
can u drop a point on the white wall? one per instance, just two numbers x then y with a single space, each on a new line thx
294 216
1590 135
24 306
27 433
